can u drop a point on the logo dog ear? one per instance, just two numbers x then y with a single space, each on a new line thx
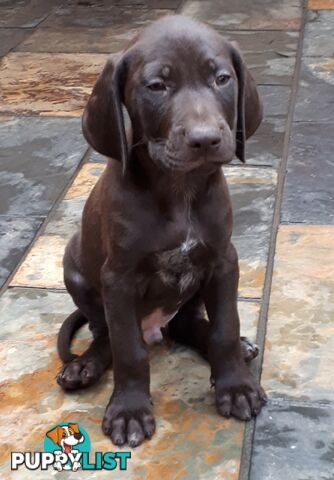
55 435
75 427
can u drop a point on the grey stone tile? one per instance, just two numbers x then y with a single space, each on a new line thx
315 99
100 14
169 4
10 37
253 195
309 183
241 15
275 99
16 234
66 219
270 55
38 157
265 147
79 39
294 443
25 13
318 37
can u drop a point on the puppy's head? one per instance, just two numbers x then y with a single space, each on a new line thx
66 436
190 98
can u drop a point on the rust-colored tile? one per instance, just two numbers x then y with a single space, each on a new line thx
192 441
47 84
299 353
85 180
43 264
321 4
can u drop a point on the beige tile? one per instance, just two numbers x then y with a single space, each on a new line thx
47 84
299 353
43 265
85 180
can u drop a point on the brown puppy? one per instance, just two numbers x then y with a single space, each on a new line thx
155 243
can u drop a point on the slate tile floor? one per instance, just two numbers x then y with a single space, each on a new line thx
52 51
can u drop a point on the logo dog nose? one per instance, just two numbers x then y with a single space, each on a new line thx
203 138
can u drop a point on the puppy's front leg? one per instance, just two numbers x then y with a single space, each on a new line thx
128 417
237 391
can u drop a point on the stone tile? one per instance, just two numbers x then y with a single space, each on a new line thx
97 157
319 34
265 147
321 4
169 4
83 183
252 192
275 100
315 92
66 219
270 55
43 265
48 84
253 196
299 352
183 400
16 233
241 15
10 37
293 442
100 14
81 40
308 191
38 157
25 13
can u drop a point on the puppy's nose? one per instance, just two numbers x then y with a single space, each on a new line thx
77 436
203 138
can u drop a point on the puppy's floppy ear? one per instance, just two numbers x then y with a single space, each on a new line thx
55 434
249 113
102 121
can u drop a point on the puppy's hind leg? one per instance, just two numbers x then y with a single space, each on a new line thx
190 327
84 370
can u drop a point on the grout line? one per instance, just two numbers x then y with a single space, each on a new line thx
296 402
45 221
246 455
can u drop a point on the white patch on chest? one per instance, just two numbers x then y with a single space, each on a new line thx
188 244
151 325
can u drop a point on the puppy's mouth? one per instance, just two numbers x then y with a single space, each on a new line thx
167 158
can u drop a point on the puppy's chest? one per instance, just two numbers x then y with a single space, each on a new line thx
182 267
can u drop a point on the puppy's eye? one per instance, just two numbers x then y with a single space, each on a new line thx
222 79
157 86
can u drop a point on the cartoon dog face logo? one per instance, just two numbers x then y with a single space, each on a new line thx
66 436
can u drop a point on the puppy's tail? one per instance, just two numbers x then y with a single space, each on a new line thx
66 333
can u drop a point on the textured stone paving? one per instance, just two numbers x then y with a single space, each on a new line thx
283 199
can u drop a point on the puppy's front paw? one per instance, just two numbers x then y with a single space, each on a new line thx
238 394
129 419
